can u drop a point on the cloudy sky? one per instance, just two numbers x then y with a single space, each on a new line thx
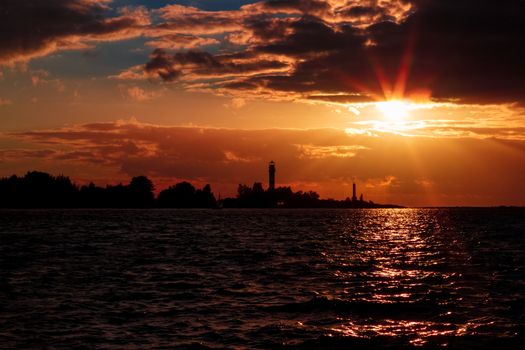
420 102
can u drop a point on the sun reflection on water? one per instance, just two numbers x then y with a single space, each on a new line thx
418 331
403 276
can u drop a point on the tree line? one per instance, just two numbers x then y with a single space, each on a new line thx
41 190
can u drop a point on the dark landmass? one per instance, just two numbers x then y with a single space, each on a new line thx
284 197
41 190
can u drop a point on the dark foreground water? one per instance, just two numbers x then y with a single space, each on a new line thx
327 279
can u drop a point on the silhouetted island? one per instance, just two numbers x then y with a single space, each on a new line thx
41 190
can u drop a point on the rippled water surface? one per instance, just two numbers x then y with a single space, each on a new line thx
333 279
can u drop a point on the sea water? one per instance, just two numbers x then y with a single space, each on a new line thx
262 279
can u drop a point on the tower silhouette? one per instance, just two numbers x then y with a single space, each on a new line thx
354 197
271 176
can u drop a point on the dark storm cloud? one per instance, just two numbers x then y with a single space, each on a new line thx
161 64
362 11
472 50
32 28
170 66
325 60
462 50
310 35
305 6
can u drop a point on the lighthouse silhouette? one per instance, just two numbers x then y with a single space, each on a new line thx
271 176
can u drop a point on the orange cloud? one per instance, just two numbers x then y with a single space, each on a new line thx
340 151
181 41
141 95
181 19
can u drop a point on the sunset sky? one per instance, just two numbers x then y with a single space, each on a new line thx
420 102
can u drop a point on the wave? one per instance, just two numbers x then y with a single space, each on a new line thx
387 309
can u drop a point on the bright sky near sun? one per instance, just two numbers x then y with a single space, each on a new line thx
419 102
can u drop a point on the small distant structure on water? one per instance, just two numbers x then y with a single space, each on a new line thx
354 194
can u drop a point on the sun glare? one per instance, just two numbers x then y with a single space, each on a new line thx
393 110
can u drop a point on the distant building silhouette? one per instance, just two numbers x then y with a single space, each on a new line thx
354 197
271 176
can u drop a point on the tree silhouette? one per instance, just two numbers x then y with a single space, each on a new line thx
37 189
184 195
141 192
205 198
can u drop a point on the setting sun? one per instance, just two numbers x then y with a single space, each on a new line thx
394 110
